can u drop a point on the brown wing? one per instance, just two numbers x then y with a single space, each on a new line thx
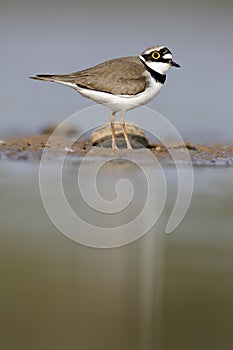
121 76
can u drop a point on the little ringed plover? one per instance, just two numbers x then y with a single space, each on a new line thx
122 83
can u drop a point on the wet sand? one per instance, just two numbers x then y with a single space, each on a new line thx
31 148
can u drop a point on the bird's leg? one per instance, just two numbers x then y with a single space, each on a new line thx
112 120
122 123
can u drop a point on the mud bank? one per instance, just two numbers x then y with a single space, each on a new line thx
31 148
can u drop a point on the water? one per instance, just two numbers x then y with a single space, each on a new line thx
165 291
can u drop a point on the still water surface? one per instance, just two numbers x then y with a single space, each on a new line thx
160 292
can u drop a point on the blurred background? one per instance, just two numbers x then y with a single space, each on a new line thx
65 36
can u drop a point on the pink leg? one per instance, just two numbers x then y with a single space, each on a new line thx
122 123
112 120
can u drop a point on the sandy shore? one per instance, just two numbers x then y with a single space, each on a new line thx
31 148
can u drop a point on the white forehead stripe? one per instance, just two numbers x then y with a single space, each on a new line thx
167 56
151 49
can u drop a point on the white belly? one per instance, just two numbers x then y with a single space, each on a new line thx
122 102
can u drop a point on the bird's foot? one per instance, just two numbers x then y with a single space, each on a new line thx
114 146
128 144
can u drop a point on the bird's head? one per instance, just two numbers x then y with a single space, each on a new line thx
158 58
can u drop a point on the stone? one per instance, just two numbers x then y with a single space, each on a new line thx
102 136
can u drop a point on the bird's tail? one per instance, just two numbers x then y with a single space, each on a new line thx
65 79
45 77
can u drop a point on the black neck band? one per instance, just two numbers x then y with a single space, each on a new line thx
157 76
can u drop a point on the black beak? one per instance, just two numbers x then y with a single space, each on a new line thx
174 64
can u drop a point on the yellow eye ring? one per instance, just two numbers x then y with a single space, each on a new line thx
155 55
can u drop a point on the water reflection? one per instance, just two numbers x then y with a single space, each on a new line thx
162 291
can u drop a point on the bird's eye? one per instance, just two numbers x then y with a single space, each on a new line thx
155 55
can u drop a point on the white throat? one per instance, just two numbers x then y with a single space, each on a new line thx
160 67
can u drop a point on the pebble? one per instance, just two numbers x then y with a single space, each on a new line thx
102 136
68 149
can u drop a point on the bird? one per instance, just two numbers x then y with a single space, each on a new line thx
121 84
